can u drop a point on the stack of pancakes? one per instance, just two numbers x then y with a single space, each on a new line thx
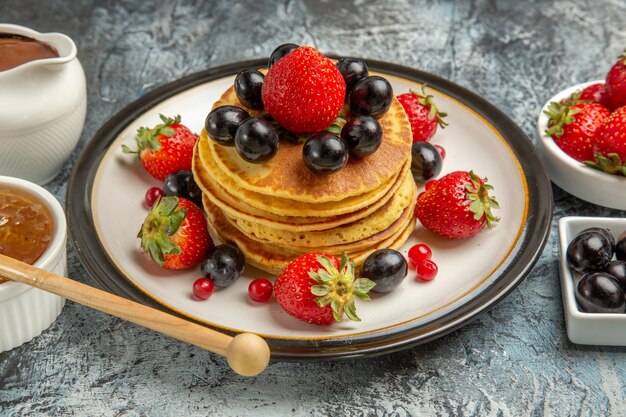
279 210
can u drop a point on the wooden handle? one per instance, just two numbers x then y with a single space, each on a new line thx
247 353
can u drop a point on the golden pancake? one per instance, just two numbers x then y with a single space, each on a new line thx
286 176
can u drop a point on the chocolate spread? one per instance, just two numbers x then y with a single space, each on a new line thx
17 50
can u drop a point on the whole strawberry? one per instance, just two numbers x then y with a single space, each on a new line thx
165 148
610 146
594 92
318 288
616 84
457 205
175 234
573 127
304 91
423 114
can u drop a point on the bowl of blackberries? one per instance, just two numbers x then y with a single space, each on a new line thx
593 279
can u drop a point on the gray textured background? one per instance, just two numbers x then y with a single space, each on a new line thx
513 361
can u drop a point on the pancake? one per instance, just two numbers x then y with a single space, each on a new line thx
286 176
278 205
274 260
377 222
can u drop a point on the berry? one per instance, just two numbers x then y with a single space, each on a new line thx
418 253
353 70
423 114
203 288
260 290
165 148
599 292
574 127
224 264
324 153
222 122
589 251
618 270
256 140
372 96
152 195
426 270
426 162
610 146
362 135
318 288
387 268
595 93
620 248
248 85
175 234
616 84
182 184
442 151
457 205
281 51
304 91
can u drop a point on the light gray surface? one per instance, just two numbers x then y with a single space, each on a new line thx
513 361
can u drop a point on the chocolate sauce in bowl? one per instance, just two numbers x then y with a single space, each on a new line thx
16 50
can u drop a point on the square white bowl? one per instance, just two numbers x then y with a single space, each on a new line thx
588 328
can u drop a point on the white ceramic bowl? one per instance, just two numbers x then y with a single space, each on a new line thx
42 109
586 183
26 311
588 328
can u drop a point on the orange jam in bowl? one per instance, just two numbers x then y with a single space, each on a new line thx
26 224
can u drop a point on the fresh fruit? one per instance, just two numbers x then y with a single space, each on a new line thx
304 91
589 251
256 140
281 51
353 70
599 292
457 205
152 195
418 253
616 84
423 114
318 288
371 96
248 85
605 233
618 270
324 153
442 151
260 290
426 162
175 234
165 148
222 122
203 288
182 184
574 127
620 248
610 145
362 135
387 268
224 264
594 92
426 270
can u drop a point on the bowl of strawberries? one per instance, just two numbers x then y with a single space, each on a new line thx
582 132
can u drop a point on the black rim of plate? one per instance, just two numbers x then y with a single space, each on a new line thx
510 273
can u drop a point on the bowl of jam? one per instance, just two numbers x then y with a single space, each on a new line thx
33 230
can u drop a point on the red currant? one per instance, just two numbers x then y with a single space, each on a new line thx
152 195
427 270
418 253
441 150
260 290
203 288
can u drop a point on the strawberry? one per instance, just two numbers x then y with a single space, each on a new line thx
304 91
616 84
165 148
573 126
175 234
318 288
457 205
610 146
423 114
595 93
